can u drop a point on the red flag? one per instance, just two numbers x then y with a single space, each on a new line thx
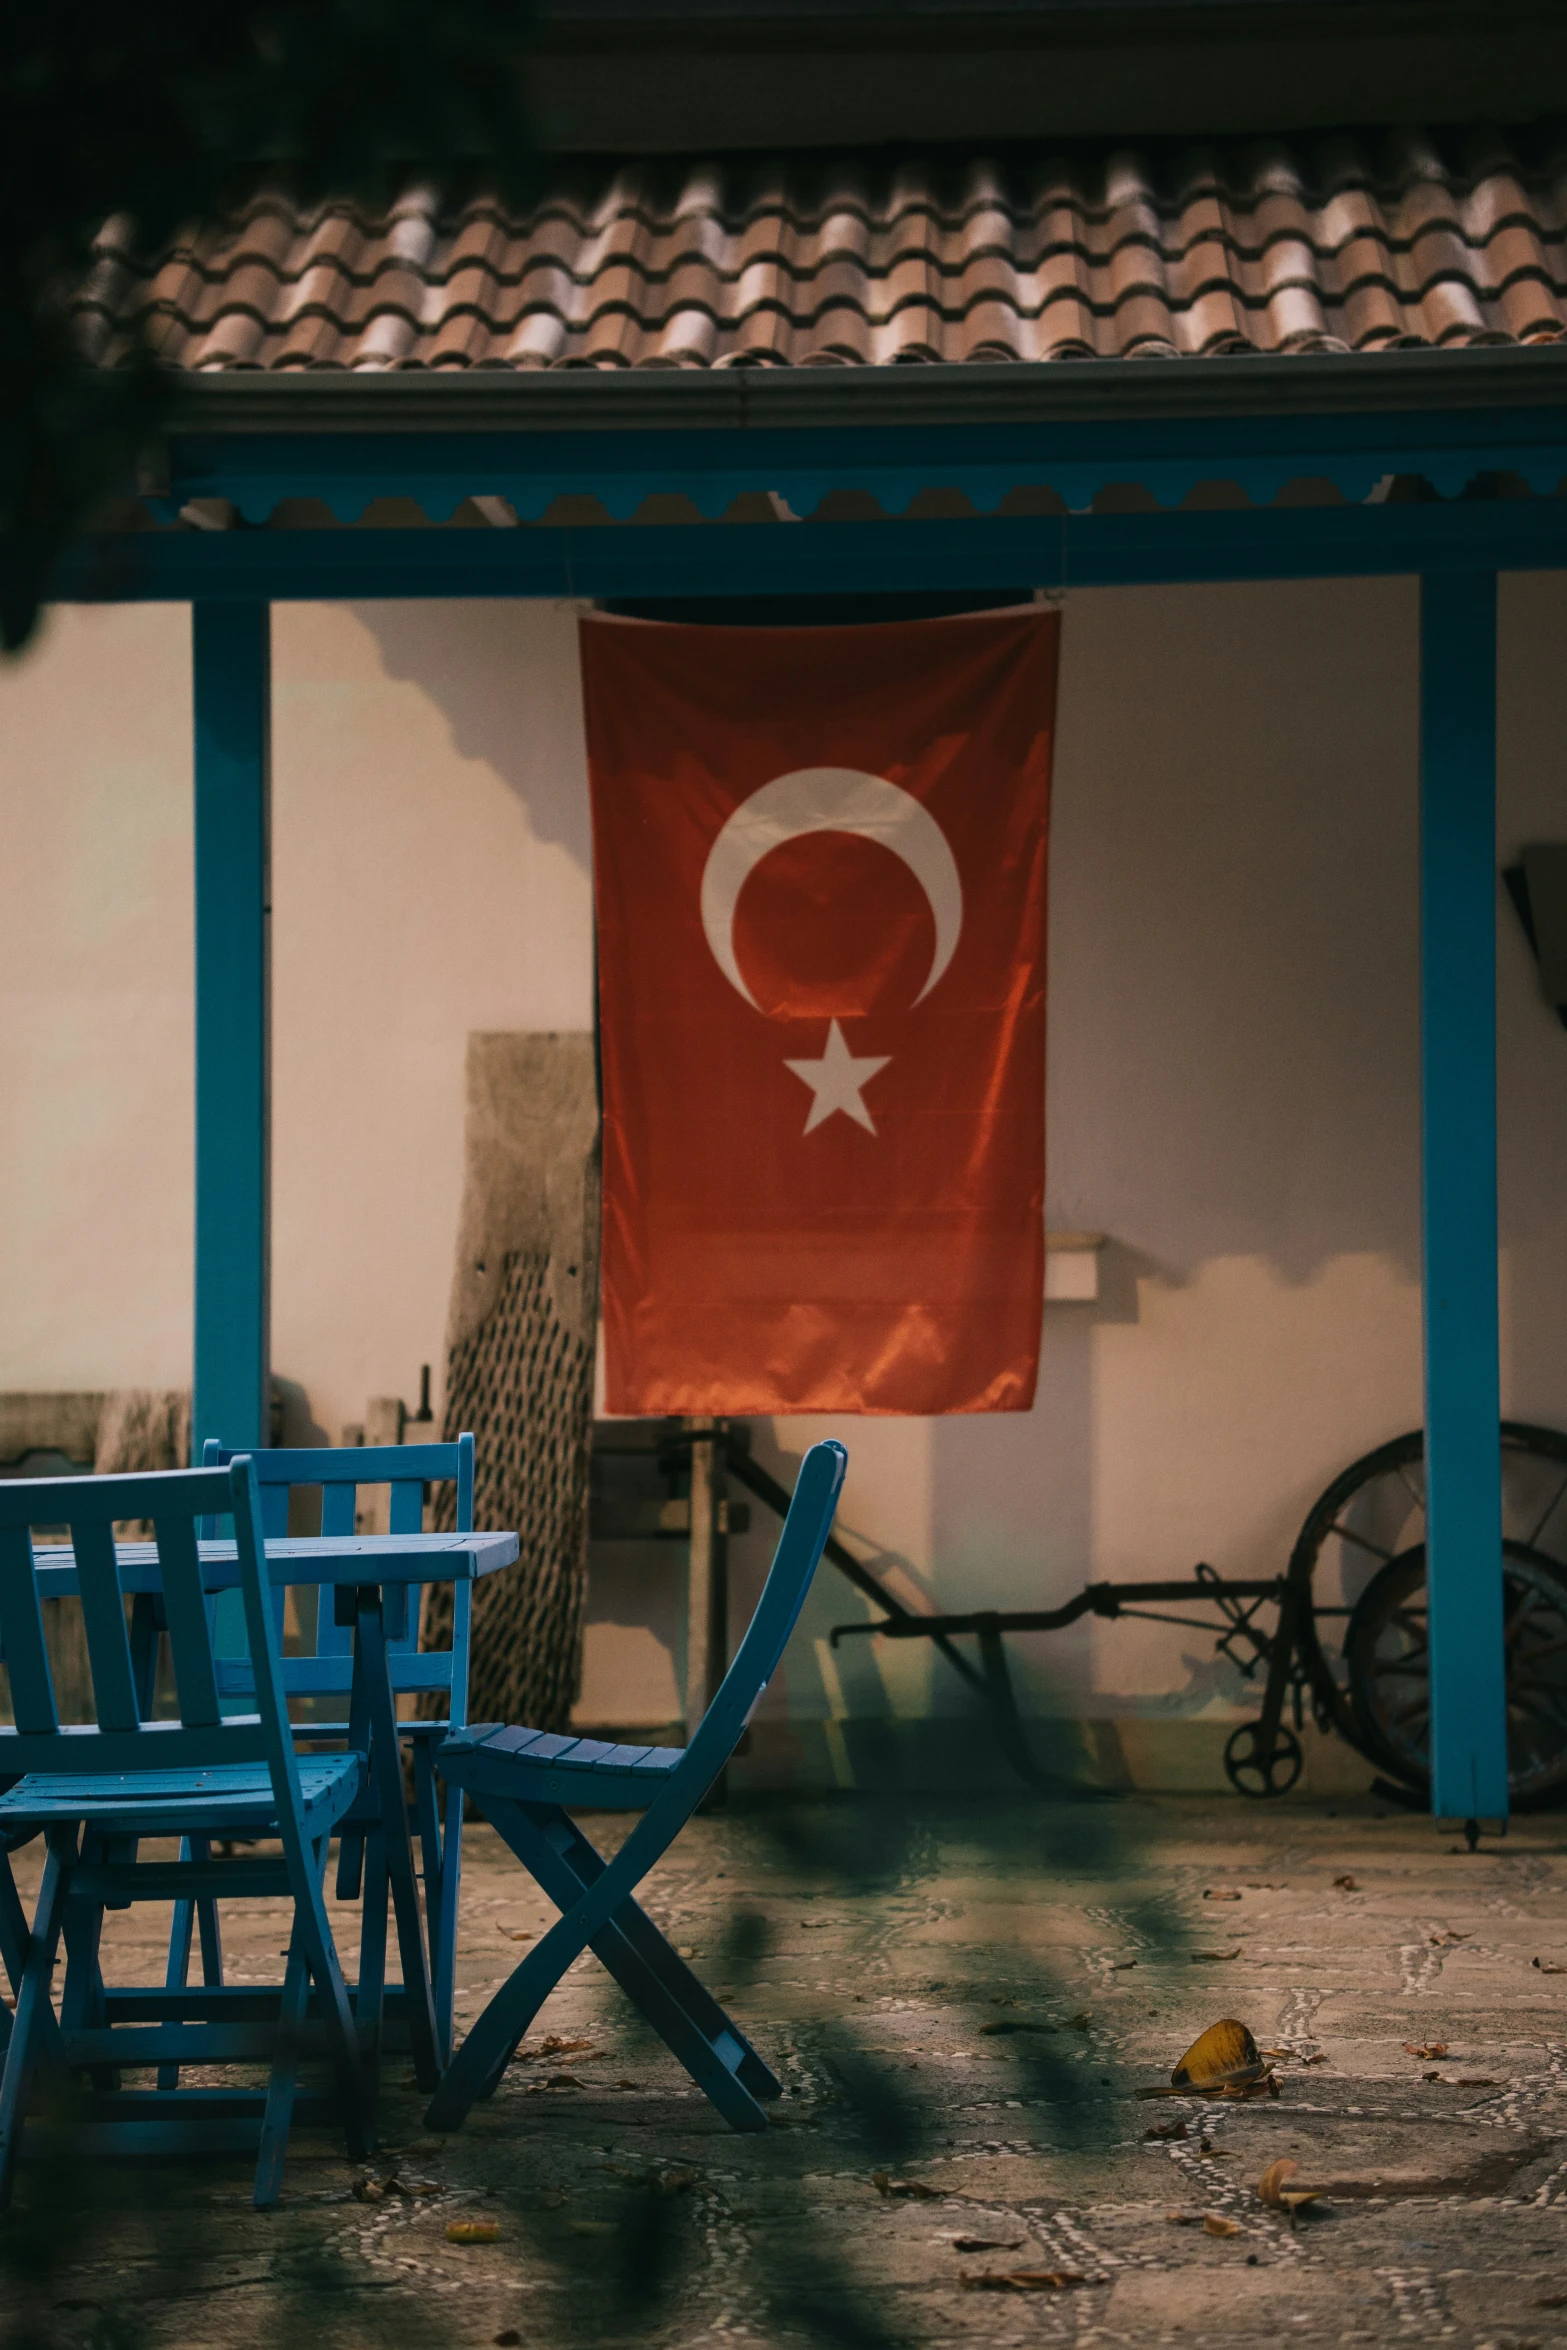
820 875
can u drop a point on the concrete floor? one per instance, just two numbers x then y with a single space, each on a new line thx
963 2003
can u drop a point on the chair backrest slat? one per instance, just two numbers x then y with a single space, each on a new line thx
190 1633
405 1469
22 1635
406 1511
812 1508
179 1502
337 1507
103 1619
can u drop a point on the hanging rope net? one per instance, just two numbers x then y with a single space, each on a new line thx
520 1346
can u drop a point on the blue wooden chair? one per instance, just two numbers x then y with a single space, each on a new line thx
523 1781
94 1791
327 1671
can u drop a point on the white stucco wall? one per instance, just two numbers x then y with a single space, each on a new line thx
1232 1092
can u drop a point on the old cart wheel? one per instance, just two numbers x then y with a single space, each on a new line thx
1372 1515
1388 1655
1254 1768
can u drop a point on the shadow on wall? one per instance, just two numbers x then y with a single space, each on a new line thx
505 674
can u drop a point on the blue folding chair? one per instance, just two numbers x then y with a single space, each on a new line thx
523 1781
327 1670
96 1790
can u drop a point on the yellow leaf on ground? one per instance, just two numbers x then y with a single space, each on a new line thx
1226 2048
472 2231
1425 2048
1278 2190
1215 2224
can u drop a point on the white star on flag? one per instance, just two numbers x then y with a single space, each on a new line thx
837 1079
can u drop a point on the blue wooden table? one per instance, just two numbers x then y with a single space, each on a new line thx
369 1576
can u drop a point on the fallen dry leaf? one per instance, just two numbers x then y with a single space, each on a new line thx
1347 1884
1426 2048
1022 2280
1433 2076
1215 2224
1213 1957
1222 2062
1551 2301
1119 1966
1218 2054
1275 2189
915 2190
472 2231
1166 2130
1548 1966
564 2081
1447 1935
1476 2081
1220 1893
1080 2023
554 2046
1184 2219
512 1934
987 2243
625 2084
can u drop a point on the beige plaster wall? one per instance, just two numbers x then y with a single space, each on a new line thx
1232 1093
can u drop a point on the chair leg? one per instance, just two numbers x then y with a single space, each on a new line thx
177 1971
32 2001
445 1985
370 1995
590 1918
684 2013
81 1925
15 1937
313 1929
210 1931
285 2074
432 1863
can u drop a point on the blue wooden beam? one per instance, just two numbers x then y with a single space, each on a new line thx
843 558
987 458
231 644
1458 1152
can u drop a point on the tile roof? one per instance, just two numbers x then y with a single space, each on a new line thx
1344 243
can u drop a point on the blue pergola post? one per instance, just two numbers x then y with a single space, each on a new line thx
1458 1152
231 644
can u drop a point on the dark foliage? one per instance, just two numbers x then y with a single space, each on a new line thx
166 113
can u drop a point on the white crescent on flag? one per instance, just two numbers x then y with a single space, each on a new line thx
829 799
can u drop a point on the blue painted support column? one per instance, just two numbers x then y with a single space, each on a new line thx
233 687
1458 1152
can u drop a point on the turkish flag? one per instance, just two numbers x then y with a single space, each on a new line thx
820 876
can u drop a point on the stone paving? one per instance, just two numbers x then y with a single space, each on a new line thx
963 2003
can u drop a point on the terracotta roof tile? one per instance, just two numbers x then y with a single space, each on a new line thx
1342 243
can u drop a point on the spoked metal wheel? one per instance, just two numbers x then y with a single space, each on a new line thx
1387 1649
1372 1519
1253 1766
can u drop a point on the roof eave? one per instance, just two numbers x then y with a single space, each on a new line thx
1012 392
